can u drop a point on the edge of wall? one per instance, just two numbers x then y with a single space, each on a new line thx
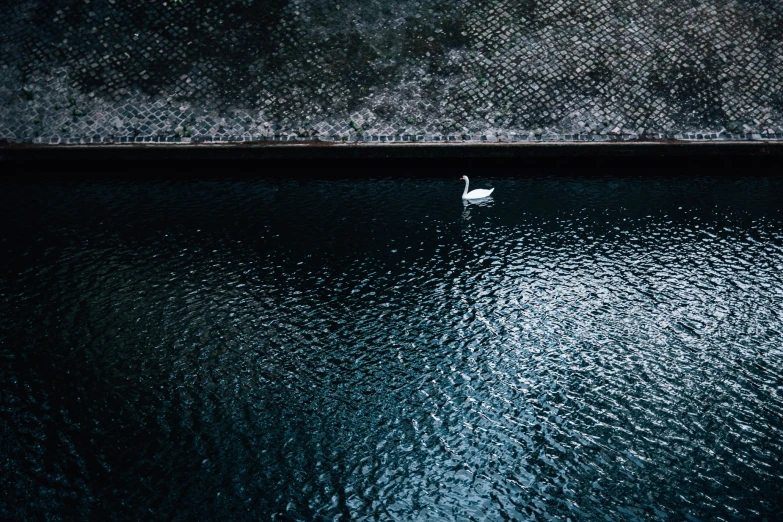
338 150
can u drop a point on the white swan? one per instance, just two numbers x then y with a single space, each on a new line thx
474 194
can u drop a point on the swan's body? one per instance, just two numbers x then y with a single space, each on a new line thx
474 194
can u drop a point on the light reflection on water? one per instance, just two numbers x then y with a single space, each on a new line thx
379 349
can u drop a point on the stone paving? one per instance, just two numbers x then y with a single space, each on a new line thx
102 71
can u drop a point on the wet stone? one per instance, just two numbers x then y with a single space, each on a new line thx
466 70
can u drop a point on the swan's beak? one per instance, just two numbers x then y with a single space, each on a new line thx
461 179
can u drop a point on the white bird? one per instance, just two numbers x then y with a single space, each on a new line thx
474 194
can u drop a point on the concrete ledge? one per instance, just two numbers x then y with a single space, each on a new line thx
309 150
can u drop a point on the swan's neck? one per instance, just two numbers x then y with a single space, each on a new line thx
467 182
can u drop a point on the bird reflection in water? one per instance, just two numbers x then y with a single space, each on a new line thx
467 203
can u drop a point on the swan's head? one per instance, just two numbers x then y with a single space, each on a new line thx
463 178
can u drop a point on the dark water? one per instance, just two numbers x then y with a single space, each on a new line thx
584 348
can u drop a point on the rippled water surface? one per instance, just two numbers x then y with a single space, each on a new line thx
281 349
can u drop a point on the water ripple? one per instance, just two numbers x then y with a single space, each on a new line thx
303 350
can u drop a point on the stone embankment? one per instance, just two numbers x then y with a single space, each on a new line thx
143 71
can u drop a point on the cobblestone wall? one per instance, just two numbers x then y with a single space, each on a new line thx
363 70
